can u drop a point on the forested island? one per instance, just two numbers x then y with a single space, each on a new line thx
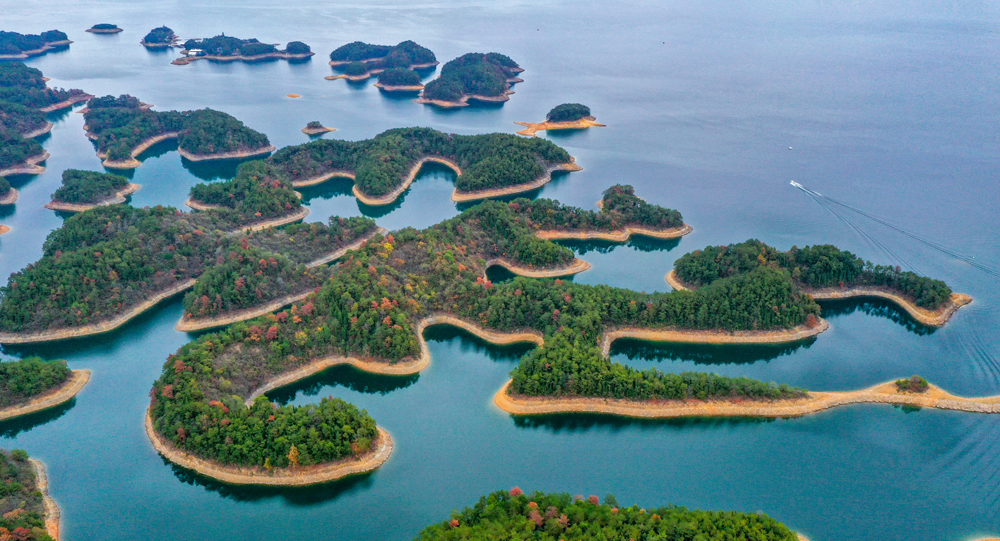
26 86
824 272
122 128
551 517
104 28
27 513
223 48
478 76
316 127
159 37
14 45
358 61
382 168
31 384
568 116
83 190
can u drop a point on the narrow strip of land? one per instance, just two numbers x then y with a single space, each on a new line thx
49 399
533 127
689 336
460 197
40 131
618 235
29 167
66 103
577 266
884 393
52 514
236 154
132 162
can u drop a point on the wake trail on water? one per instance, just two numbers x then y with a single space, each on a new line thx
936 246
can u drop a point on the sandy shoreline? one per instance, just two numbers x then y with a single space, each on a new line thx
118 197
464 100
532 127
322 178
104 30
883 393
49 399
97 328
316 131
66 103
687 336
391 196
255 226
398 88
4 229
931 318
619 235
577 266
10 197
301 476
40 131
185 60
193 324
461 197
52 514
236 154
35 52
132 162
29 167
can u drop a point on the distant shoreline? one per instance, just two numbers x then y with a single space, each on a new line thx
883 393
583 123
117 198
104 30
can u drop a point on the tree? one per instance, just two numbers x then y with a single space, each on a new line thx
293 456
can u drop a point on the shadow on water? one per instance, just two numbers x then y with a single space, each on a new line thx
13 427
345 376
585 422
217 169
878 308
711 354
507 353
8 210
298 496
498 273
558 177
639 243
335 187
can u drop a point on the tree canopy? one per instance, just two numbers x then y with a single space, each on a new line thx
88 187
22 510
25 86
552 517
14 149
472 74
160 35
399 77
22 380
568 112
13 43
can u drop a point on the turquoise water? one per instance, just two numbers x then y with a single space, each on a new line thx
888 107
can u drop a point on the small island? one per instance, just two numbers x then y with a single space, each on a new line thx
31 385
316 127
359 61
399 80
14 45
28 513
382 168
223 48
104 28
825 273
476 76
160 38
8 195
124 127
568 116
84 190
538 516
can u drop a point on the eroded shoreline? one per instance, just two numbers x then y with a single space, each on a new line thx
49 399
883 393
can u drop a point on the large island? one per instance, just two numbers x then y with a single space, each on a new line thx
358 61
223 48
476 76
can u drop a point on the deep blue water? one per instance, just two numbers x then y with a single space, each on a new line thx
888 107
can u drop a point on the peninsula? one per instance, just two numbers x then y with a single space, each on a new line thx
358 61
104 28
382 168
14 45
124 127
19 156
825 273
223 48
84 190
30 385
476 76
568 116
26 507
516 515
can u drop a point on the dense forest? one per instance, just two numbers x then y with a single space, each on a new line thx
104 26
160 36
14 149
223 45
810 267
381 164
23 379
403 55
568 112
399 77
22 511
88 187
19 118
119 125
621 208
552 517
472 74
25 86
13 43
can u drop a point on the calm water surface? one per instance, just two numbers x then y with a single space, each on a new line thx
886 107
